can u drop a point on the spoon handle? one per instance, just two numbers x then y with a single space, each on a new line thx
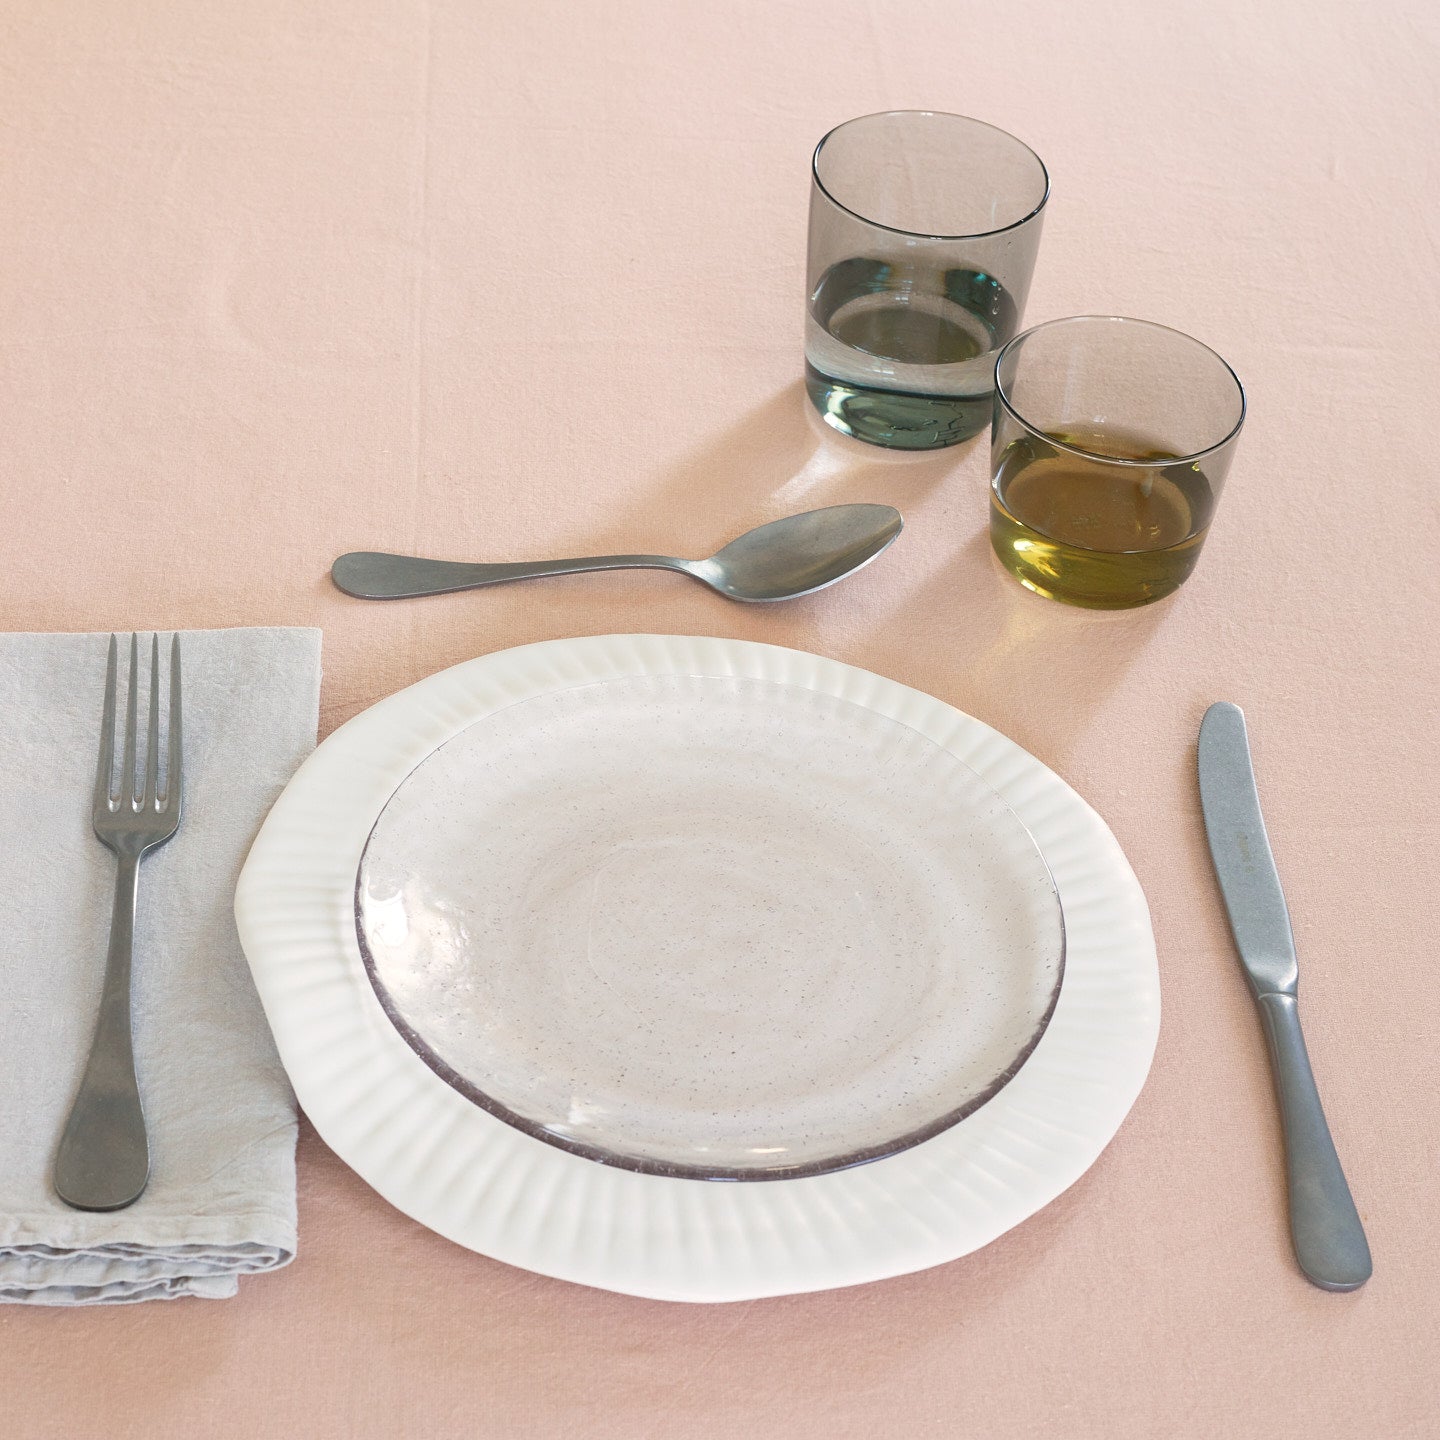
371 575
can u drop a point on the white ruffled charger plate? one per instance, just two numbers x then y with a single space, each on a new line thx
415 872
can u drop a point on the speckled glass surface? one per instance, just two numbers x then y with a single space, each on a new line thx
709 926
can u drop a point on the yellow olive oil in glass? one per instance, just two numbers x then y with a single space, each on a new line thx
1090 532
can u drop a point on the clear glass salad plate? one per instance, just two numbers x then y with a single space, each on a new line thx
710 926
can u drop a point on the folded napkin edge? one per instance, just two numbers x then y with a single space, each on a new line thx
167 630
273 1226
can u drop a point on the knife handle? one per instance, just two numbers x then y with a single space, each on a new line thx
1329 1240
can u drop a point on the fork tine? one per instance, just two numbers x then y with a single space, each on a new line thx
104 769
152 728
127 773
172 765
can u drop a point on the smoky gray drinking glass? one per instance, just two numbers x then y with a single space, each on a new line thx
1112 438
923 233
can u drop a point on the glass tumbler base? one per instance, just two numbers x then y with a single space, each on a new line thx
894 418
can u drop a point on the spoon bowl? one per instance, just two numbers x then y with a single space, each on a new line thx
799 554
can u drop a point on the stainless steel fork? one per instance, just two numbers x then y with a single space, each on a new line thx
104 1157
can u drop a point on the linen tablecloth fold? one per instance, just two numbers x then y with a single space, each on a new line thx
220 1115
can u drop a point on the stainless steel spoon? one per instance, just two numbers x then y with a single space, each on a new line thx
794 556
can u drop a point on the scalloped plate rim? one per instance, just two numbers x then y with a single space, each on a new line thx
488 1187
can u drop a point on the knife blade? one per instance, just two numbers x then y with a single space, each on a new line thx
1240 849
1329 1239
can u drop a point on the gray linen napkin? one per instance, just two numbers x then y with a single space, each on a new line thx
221 1118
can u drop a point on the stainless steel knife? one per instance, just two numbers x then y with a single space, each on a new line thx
1329 1240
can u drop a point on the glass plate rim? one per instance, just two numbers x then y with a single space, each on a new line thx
678 1170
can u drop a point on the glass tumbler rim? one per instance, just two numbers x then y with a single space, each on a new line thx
925 234
1193 456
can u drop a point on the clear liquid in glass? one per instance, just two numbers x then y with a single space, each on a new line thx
902 356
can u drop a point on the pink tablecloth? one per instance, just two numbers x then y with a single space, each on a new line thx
514 279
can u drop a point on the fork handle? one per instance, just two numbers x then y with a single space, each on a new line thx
1329 1239
104 1157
